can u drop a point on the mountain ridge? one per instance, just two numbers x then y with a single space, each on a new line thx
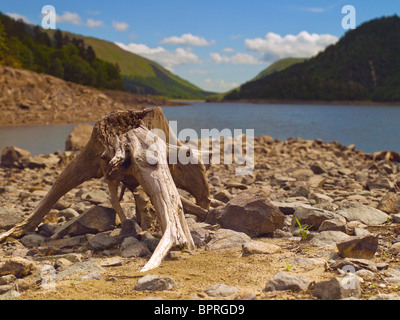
364 65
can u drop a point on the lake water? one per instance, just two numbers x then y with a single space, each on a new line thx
370 128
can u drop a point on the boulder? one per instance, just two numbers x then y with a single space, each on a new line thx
257 247
78 138
221 290
97 219
9 218
11 156
285 281
253 215
363 247
311 217
102 241
17 266
338 288
131 247
390 203
326 238
225 238
155 283
355 211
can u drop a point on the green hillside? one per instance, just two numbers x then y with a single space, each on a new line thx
277 66
363 65
30 47
88 61
141 75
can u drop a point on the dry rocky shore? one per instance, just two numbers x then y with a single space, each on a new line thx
314 220
30 98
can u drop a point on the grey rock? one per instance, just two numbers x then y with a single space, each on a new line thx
338 288
32 240
285 281
311 217
95 196
9 218
67 242
12 294
68 213
379 183
336 224
17 266
299 192
155 283
129 228
225 238
221 290
7 279
47 230
361 232
390 203
258 247
12 156
396 218
131 247
308 262
363 247
80 269
325 238
102 241
149 241
355 211
92 276
78 137
111 262
39 161
289 208
97 219
317 169
5 288
253 215
223 196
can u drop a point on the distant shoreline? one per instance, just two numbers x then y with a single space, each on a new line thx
312 102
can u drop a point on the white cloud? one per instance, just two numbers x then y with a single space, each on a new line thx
228 50
140 49
91 23
218 59
69 17
218 85
187 39
239 58
167 58
120 26
17 16
274 46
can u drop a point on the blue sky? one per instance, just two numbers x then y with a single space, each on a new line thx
215 44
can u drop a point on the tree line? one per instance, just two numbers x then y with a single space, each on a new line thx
363 65
62 56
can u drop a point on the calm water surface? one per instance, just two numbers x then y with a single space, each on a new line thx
370 128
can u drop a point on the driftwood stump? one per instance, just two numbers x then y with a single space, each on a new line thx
123 149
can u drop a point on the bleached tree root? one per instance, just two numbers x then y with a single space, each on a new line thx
151 169
118 150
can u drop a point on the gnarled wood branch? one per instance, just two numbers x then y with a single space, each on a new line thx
117 150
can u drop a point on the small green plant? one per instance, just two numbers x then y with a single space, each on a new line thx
303 230
288 266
